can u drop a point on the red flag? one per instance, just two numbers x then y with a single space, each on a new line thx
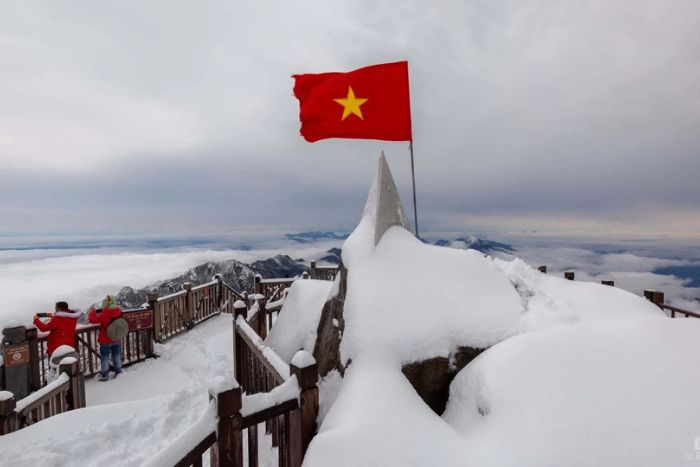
368 103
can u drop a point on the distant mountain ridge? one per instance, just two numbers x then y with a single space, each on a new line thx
313 236
239 275
473 242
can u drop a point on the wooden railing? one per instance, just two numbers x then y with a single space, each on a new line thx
654 296
272 289
63 394
137 346
324 273
283 397
179 312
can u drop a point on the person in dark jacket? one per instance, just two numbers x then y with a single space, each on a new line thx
109 312
60 326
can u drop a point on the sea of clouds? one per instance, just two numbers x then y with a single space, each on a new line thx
33 279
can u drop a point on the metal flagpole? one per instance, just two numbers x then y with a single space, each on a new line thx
413 175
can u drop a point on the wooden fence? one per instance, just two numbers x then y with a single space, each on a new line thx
324 273
283 397
137 346
654 296
63 394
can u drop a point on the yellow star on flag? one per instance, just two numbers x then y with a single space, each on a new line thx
351 104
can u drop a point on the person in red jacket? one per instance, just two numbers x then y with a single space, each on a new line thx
109 312
60 326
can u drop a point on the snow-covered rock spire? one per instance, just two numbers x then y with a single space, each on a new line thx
384 203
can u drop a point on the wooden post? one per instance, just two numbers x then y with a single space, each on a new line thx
258 283
262 318
655 297
305 275
307 377
219 291
313 273
239 309
8 418
543 269
152 298
228 450
34 359
610 283
189 309
75 388
17 356
569 275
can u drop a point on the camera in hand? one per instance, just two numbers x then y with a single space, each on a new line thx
42 315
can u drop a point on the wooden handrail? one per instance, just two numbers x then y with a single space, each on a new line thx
675 310
269 412
244 331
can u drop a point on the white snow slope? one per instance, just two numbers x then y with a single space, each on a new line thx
592 351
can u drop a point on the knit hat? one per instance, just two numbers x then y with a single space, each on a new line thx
108 302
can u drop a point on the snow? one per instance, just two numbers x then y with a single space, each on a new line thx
296 325
253 403
6 395
130 418
378 419
224 384
272 357
182 445
35 396
613 393
389 314
68 361
549 300
238 304
303 359
62 350
408 301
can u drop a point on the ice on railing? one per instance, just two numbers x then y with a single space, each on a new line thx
186 441
263 400
271 356
35 396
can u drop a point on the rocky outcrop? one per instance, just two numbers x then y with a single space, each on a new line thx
331 327
432 378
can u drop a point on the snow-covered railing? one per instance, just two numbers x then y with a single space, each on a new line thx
181 311
324 273
260 370
289 412
272 289
63 394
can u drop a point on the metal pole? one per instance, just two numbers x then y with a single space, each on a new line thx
413 175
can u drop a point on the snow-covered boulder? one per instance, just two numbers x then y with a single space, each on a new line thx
592 394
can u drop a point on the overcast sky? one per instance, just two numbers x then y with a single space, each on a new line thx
167 117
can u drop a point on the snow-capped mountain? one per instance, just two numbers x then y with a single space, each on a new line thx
313 236
472 242
236 273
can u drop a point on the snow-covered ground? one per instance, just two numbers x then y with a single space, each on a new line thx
130 418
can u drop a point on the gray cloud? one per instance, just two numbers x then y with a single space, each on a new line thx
573 116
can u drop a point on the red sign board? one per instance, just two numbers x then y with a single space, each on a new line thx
138 320
16 354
